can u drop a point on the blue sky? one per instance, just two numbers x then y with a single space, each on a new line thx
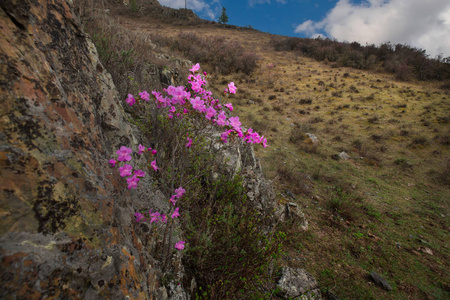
423 24
276 17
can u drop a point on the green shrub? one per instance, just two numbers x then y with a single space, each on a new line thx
133 6
230 244
228 253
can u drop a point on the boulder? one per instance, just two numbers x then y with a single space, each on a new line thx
291 211
380 281
298 284
311 138
344 156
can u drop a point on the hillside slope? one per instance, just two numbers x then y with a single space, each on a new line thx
384 206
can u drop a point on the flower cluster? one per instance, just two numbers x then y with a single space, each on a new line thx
133 176
154 217
180 101
178 193
124 155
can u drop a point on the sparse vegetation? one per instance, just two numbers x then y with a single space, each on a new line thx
216 52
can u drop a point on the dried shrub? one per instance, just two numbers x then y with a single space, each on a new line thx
278 108
305 101
373 119
131 70
403 163
343 201
337 94
420 140
224 57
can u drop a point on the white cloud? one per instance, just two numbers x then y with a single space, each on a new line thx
423 24
196 5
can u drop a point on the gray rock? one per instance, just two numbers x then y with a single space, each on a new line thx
298 283
314 140
291 211
380 281
344 156
289 194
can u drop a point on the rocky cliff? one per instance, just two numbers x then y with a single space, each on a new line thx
65 219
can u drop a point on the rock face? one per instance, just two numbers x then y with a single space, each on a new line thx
66 219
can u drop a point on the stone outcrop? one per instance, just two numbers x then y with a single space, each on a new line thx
66 219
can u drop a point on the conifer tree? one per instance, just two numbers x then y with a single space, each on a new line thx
223 19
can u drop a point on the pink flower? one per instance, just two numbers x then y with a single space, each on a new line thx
154 166
195 68
124 154
179 192
189 143
139 217
197 104
173 199
173 109
210 112
161 100
141 149
229 106
164 218
224 136
144 96
180 245
264 142
132 182
130 100
222 119
155 217
154 151
175 214
234 122
112 162
139 173
125 170
178 94
232 88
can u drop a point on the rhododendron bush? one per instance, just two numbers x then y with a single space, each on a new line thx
185 124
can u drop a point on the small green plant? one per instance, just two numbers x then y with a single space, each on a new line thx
344 202
358 235
133 6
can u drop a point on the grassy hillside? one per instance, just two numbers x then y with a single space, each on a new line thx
386 207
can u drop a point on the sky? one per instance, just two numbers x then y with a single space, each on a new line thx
424 24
